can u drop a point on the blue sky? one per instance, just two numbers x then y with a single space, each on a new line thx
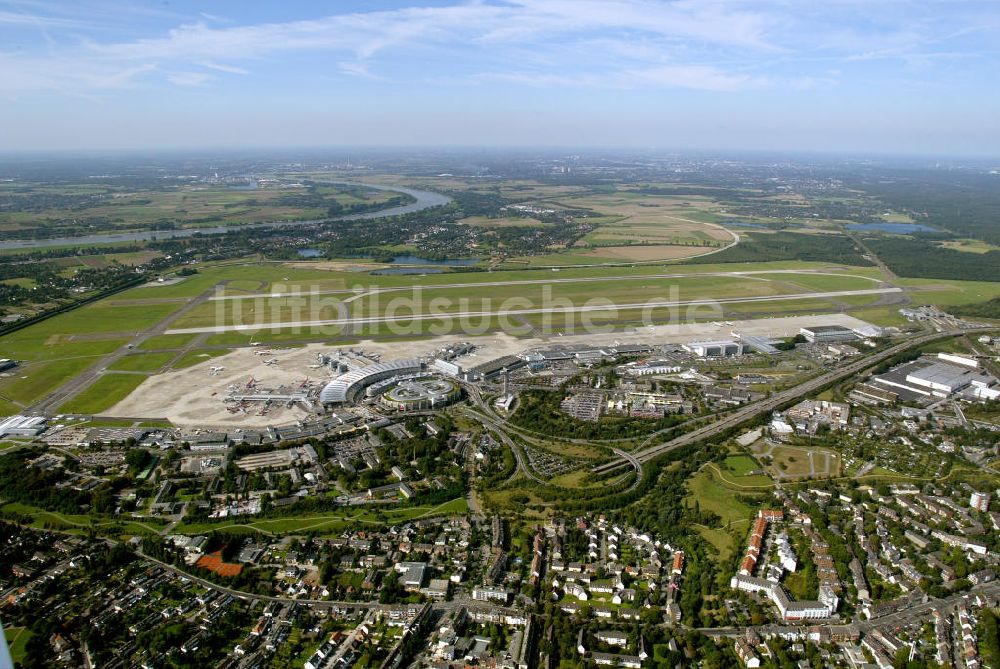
881 76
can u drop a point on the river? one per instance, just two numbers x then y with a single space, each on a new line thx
425 200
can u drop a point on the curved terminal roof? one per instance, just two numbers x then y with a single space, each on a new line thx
346 387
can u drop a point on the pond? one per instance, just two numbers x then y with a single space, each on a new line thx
891 228
743 224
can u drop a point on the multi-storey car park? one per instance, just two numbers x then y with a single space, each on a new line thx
419 394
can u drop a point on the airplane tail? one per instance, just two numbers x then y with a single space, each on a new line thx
5 660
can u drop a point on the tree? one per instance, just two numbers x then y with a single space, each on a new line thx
136 458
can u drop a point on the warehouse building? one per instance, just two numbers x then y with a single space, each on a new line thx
723 348
759 344
492 368
827 334
930 379
22 426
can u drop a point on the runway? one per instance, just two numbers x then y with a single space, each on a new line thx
530 282
585 308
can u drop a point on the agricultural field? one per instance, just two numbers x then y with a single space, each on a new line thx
503 222
969 246
118 208
632 226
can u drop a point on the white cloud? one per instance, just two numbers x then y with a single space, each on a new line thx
695 77
222 67
22 19
720 45
65 75
189 78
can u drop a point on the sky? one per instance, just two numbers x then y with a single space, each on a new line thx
868 76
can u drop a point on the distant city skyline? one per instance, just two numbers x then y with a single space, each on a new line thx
901 77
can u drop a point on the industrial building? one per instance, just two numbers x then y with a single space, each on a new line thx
929 379
758 344
827 334
492 368
284 458
649 368
22 426
723 348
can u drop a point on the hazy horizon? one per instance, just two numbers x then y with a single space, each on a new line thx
902 78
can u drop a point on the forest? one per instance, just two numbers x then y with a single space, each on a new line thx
966 203
987 309
754 247
922 258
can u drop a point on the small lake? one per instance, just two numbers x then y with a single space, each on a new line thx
743 224
310 253
415 260
891 228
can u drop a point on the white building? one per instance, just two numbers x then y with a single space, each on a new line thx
980 501
787 608
22 426
827 333
489 593
723 348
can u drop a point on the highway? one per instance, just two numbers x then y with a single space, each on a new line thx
772 403
632 460
500 429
